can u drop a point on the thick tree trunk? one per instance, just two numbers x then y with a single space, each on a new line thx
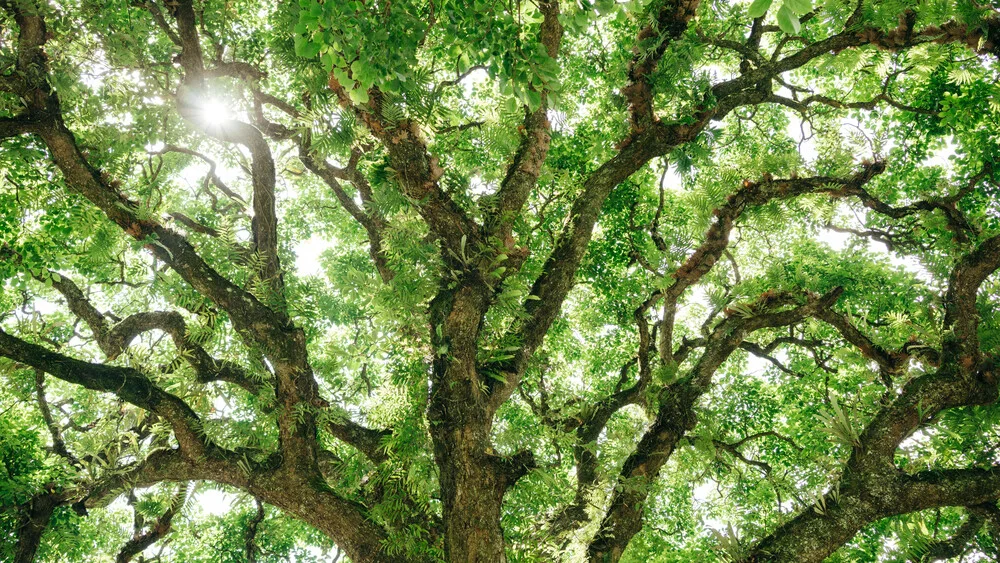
472 493
472 480
472 485
31 526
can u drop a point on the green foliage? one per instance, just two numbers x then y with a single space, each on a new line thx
467 71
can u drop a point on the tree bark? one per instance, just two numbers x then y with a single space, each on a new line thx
34 520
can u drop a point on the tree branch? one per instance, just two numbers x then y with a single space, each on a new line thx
417 171
161 527
32 522
126 383
670 22
522 173
211 176
961 380
251 547
675 416
370 219
365 440
265 222
58 443
958 543
114 339
16 126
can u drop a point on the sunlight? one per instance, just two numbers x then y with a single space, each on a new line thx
214 112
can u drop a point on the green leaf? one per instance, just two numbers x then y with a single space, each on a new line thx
359 95
787 21
363 73
759 8
799 7
341 76
533 99
306 48
327 60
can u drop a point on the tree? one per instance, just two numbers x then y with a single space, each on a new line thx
485 281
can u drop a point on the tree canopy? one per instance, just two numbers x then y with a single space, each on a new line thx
499 280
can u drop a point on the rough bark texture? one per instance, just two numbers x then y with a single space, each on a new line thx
32 523
464 394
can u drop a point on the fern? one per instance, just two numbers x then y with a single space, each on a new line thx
838 424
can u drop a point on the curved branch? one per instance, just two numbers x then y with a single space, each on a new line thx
114 339
670 22
960 381
417 171
814 534
211 176
58 443
675 416
958 543
126 383
80 176
365 440
370 218
265 220
160 528
961 316
250 546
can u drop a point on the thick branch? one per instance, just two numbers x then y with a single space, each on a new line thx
717 238
128 384
33 521
551 287
815 534
753 87
246 311
522 174
16 126
670 22
960 381
257 322
365 440
676 416
961 317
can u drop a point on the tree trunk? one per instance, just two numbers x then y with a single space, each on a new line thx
472 481
32 524
472 492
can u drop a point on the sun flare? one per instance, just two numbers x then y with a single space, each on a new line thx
214 112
